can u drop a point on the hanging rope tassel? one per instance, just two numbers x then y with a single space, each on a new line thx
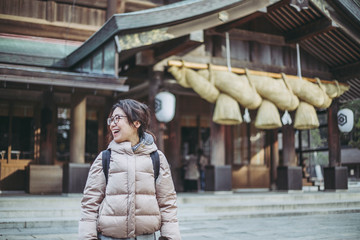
286 118
246 116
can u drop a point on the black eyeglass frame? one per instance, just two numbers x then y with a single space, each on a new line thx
114 119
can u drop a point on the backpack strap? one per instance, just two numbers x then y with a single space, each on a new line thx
106 163
156 163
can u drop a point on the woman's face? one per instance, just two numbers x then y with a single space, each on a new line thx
122 131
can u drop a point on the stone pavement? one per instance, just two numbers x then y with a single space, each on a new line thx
203 216
308 227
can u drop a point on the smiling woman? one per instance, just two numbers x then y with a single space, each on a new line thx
129 204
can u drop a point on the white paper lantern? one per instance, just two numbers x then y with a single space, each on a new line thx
345 120
165 106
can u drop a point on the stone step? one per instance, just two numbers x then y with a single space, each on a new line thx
287 197
195 208
26 212
65 233
190 208
66 222
37 200
262 214
188 204
184 198
38 212
44 222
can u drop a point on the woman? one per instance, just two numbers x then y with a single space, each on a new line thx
131 205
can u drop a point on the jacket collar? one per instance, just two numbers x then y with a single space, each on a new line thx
145 146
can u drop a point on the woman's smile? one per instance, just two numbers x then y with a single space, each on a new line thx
115 132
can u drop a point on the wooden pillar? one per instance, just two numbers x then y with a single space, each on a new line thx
229 145
218 175
288 155
335 176
51 11
78 129
101 130
48 126
289 175
334 135
9 147
272 155
174 153
103 127
217 133
115 6
156 77
37 134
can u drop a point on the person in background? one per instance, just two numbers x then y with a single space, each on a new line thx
191 173
131 205
203 161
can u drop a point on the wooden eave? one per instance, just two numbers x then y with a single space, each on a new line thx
47 77
34 51
168 22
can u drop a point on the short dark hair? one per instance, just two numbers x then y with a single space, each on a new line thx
134 111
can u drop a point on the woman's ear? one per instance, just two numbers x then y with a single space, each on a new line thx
137 124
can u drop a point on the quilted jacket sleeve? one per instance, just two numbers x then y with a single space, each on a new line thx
93 195
166 196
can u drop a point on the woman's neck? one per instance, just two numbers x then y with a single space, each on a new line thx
135 140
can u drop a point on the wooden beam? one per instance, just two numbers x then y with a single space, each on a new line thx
101 4
354 91
246 35
346 72
179 45
137 5
309 30
16 94
234 24
138 92
129 5
43 28
175 88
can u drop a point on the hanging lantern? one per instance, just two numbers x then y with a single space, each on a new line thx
165 106
345 120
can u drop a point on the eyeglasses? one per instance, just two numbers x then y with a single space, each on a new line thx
114 119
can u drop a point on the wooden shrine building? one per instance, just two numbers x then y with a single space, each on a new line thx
57 84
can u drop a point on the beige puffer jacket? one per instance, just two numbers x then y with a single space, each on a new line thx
129 205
